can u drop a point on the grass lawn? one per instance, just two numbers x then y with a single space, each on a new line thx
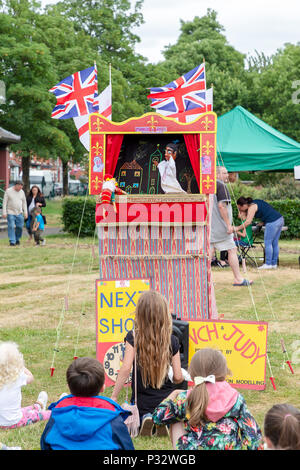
52 211
35 280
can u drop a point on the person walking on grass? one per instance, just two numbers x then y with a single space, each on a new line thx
15 210
38 226
34 199
221 227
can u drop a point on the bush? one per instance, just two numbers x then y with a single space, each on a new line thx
290 209
75 209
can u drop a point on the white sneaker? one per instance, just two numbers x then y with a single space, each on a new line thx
42 400
5 447
43 242
274 266
266 266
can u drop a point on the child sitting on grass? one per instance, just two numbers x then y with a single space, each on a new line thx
211 416
38 227
13 376
282 427
84 420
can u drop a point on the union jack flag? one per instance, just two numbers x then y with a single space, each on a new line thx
76 95
104 108
183 97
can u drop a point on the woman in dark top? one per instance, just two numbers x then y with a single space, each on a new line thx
273 221
155 349
34 199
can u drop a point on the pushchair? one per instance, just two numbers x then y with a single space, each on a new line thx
245 253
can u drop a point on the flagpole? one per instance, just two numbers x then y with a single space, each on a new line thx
95 68
109 72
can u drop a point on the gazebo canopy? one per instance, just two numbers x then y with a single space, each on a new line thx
246 143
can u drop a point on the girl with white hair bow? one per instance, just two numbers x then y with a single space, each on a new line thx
212 415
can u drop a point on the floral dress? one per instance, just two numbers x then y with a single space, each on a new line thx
237 430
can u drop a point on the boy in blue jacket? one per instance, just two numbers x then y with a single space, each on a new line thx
84 420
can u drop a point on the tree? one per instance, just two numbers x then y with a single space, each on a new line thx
27 69
39 49
71 51
277 91
109 24
202 39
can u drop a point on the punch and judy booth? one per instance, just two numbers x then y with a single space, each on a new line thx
163 238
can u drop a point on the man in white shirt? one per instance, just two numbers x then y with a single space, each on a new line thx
167 170
15 209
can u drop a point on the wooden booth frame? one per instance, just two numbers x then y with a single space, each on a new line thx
178 269
205 126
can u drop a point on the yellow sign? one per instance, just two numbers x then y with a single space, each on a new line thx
244 344
116 302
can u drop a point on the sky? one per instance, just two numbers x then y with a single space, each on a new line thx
262 25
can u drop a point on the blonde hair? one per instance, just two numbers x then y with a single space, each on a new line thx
11 362
153 329
205 362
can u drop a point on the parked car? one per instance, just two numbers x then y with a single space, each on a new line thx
77 188
43 179
58 189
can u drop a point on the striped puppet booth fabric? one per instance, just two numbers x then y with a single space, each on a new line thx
174 256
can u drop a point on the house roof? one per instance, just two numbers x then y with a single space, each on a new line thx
7 137
133 165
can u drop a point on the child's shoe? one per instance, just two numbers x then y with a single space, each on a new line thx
42 400
147 426
162 431
5 447
43 243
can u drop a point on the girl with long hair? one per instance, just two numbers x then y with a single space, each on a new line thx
212 415
155 349
282 427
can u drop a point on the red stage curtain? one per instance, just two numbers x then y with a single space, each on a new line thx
192 142
113 147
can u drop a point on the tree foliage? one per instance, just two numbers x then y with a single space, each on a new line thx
39 47
109 24
202 39
277 91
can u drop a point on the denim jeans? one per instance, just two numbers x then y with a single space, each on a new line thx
15 225
271 239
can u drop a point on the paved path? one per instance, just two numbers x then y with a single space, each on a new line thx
48 231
